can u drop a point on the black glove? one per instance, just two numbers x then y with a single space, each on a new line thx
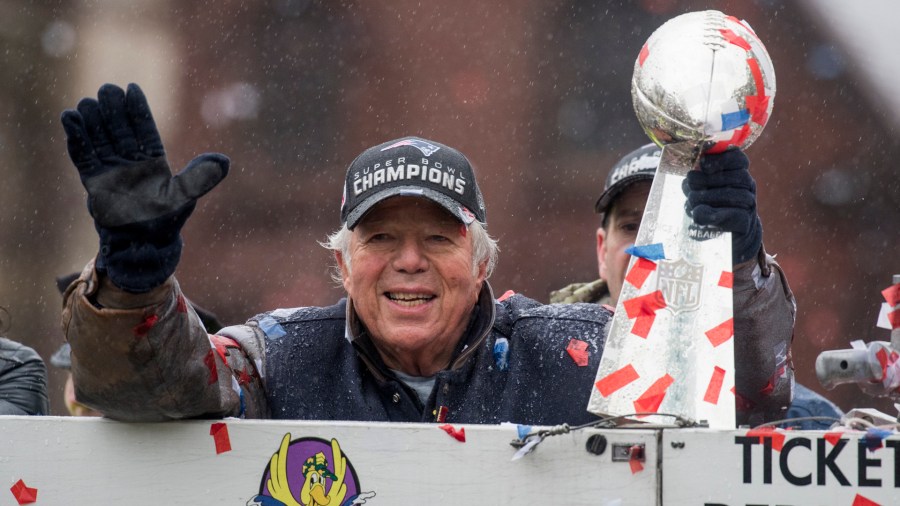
723 194
137 206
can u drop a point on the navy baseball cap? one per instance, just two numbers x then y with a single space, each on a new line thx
639 165
414 167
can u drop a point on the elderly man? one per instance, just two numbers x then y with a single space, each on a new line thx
722 193
419 337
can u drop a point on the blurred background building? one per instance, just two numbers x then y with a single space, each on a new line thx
536 93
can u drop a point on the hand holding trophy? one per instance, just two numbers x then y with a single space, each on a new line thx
703 83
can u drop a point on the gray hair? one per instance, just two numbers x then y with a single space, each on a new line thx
484 248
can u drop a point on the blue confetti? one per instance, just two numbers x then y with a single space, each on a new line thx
874 438
271 327
735 119
501 353
650 251
523 431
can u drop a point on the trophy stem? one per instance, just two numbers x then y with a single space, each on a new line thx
670 332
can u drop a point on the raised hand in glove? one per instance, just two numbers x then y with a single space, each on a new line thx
137 205
723 194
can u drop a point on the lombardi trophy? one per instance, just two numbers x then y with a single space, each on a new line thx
703 82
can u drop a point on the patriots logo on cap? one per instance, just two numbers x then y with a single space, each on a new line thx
425 147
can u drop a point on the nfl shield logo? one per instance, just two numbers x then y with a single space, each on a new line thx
679 282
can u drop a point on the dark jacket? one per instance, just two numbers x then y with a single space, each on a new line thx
23 380
313 371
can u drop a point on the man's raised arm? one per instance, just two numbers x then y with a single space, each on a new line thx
139 351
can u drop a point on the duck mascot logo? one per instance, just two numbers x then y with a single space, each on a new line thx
309 472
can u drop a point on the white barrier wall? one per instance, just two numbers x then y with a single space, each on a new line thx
83 461
87 461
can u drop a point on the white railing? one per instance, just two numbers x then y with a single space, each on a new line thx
85 461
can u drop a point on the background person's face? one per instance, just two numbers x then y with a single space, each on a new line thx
411 282
622 226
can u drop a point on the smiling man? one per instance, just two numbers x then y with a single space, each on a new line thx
419 336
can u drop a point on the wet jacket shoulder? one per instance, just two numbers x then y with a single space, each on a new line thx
23 380
546 383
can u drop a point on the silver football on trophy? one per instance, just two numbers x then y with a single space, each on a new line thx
703 77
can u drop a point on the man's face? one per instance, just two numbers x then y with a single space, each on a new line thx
411 282
622 224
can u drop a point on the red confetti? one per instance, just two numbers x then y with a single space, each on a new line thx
643 308
892 295
219 432
578 351
747 27
642 325
735 39
507 294
882 357
777 437
721 332
864 501
715 386
768 389
756 72
832 437
210 361
640 272
441 416
642 56
635 456
726 280
181 305
737 138
644 305
459 435
635 465
220 343
142 328
758 104
650 400
616 380
244 377
894 318
23 494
